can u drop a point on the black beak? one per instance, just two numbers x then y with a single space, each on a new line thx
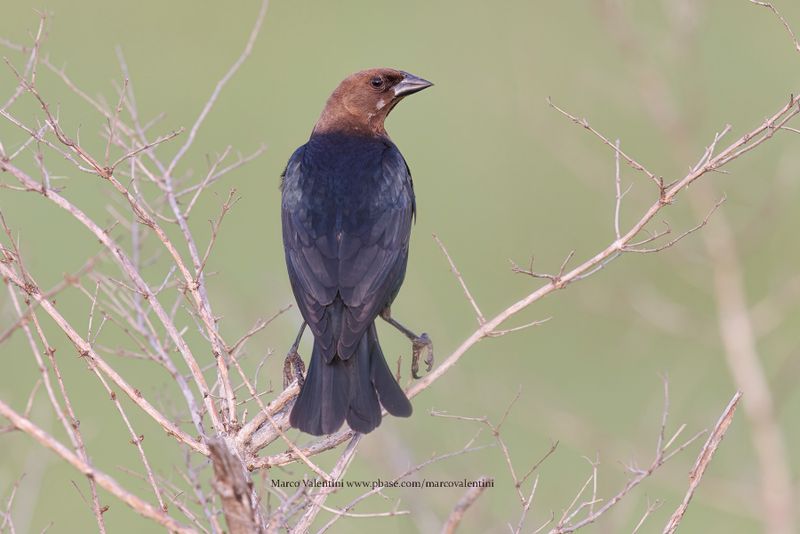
410 84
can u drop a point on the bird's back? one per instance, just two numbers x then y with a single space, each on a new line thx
340 181
347 209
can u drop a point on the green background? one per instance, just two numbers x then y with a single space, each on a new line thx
498 175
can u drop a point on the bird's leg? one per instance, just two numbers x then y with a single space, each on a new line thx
418 343
294 362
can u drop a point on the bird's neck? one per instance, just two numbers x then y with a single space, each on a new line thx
338 118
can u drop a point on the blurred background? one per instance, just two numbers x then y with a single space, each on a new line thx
499 175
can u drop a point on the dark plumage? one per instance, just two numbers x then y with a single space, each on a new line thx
347 208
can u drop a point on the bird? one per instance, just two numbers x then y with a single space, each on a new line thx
347 207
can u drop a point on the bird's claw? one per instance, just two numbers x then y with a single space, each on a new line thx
418 345
293 368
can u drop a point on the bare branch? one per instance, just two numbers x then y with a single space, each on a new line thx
636 247
651 507
30 66
220 85
146 146
128 267
103 480
235 488
772 8
495 432
464 503
703 460
213 178
664 453
457 273
630 161
68 280
86 350
502 332
260 325
754 138
618 190
205 182
318 500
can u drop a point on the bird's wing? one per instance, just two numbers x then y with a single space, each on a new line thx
344 273
310 263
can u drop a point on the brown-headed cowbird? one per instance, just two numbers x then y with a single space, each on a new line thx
347 208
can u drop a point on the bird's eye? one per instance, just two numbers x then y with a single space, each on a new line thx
376 82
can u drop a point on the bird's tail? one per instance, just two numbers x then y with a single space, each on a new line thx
353 389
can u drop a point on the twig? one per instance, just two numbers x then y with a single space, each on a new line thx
7 521
703 460
33 61
526 506
112 123
502 332
68 280
205 182
342 513
146 146
636 247
220 85
495 431
651 507
772 8
464 503
457 273
243 160
630 161
663 454
318 500
618 190
260 325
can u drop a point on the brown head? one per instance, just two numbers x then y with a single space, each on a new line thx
363 100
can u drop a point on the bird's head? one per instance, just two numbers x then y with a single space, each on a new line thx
363 100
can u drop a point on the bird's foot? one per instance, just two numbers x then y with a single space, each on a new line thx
420 344
293 368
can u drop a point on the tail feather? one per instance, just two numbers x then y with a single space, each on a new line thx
364 412
353 389
392 396
322 403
